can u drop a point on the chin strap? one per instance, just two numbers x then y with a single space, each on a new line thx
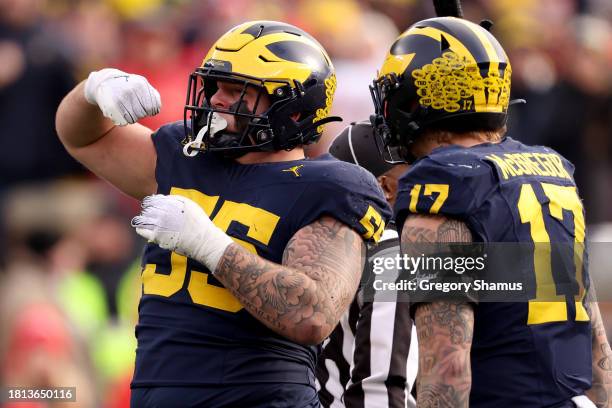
517 102
308 124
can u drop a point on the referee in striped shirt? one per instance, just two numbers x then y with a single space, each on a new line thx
369 360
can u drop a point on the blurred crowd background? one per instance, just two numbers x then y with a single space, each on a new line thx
69 262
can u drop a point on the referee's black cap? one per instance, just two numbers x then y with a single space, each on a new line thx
356 144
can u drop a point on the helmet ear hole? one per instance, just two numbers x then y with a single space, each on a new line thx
486 24
310 82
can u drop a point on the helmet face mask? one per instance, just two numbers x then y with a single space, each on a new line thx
282 64
253 130
391 146
442 73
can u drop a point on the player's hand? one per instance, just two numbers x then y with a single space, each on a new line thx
123 98
178 224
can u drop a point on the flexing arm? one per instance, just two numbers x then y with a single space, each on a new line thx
601 389
304 298
125 156
444 328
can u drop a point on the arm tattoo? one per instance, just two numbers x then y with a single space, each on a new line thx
434 229
438 396
454 231
601 389
303 298
444 328
418 234
445 337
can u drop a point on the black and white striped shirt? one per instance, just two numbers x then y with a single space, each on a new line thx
370 359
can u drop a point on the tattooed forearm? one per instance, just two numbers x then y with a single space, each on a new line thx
420 232
445 336
455 317
413 233
444 328
438 396
454 231
304 298
601 389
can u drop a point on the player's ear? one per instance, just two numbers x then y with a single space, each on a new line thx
387 186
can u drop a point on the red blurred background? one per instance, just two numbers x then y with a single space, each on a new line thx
69 262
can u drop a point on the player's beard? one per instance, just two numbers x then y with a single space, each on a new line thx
226 138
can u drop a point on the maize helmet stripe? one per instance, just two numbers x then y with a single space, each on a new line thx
469 31
484 41
462 52
257 31
478 39
434 33
488 41
495 57
495 53
260 57
396 62
457 46
234 39
398 59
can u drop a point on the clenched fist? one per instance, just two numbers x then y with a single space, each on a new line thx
123 98
178 224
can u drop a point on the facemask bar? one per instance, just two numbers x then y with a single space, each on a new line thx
385 143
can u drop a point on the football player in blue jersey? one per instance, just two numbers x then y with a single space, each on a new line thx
442 97
254 251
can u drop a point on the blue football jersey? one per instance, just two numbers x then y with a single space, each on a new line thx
191 330
528 354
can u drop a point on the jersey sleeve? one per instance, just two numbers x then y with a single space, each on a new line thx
167 142
450 186
351 195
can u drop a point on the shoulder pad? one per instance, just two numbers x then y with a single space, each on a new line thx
452 182
346 192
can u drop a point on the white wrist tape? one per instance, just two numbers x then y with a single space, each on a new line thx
178 224
582 401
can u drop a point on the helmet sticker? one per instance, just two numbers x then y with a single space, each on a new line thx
330 89
450 82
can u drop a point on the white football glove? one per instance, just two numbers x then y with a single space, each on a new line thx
123 98
178 224
582 401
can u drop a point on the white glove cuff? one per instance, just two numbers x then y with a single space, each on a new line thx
212 246
582 401
90 87
200 238
178 224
